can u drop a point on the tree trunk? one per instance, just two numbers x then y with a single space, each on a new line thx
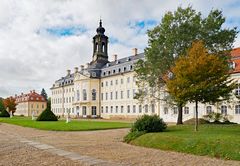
196 118
180 112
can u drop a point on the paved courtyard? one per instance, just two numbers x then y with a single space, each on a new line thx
27 146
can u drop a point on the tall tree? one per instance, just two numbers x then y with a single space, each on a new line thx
200 76
171 38
44 94
10 104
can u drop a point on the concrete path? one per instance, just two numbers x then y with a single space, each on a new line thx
86 148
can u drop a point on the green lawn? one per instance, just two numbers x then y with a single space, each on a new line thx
221 141
74 125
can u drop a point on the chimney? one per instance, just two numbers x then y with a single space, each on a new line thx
82 67
68 72
76 69
33 91
115 57
134 51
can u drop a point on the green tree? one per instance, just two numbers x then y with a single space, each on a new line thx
171 38
2 107
200 76
44 94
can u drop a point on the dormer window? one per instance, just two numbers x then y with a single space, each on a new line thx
119 70
117 62
107 64
131 67
124 69
128 59
109 72
104 73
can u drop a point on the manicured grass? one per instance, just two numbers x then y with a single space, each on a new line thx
221 141
74 125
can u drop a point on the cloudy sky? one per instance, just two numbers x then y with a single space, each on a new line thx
41 39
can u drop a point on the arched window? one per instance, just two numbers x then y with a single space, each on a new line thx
94 94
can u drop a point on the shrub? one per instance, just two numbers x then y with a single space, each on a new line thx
148 123
47 115
4 113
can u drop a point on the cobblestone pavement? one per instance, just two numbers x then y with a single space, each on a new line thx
27 146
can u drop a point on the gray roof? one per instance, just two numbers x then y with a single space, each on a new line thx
120 66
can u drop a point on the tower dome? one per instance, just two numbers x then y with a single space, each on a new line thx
100 29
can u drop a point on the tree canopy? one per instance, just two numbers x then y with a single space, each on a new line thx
10 104
2 107
200 76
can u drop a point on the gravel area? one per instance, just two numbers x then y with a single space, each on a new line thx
105 145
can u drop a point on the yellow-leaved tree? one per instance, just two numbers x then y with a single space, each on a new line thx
200 76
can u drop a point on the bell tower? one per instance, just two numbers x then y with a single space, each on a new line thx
100 46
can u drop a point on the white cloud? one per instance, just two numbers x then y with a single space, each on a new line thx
32 60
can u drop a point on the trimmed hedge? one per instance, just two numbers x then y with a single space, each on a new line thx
4 113
47 115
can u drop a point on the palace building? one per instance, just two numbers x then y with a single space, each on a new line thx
106 89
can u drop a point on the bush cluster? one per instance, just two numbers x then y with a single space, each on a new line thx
145 124
217 118
47 115
149 123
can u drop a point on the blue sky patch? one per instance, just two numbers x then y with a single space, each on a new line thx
142 25
65 31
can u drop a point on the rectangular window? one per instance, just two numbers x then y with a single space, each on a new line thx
128 109
153 108
116 82
84 110
140 108
111 83
102 84
106 96
175 110
121 81
128 80
128 94
209 109
146 108
102 109
165 111
94 110
237 90
134 109
237 109
186 110
84 94
224 109
121 94
102 96
106 83
116 109
116 95
111 95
